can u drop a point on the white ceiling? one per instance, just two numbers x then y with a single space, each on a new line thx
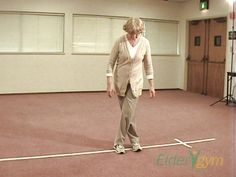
177 0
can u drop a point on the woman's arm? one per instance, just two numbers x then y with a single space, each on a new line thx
110 67
149 70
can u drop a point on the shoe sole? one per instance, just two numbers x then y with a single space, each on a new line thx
138 150
121 152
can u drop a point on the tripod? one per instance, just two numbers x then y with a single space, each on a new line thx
229 95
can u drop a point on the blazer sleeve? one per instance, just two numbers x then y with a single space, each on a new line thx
148 67
113 58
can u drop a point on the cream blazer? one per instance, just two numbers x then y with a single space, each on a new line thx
129 70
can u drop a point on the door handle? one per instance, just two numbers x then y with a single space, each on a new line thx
188 58
203 58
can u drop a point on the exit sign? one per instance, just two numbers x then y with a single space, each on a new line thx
204 4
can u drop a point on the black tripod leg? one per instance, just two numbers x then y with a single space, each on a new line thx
219 100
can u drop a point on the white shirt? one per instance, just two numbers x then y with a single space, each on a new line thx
132 50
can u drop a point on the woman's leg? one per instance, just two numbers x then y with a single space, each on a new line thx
127 123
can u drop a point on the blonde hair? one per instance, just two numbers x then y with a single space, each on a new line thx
134 25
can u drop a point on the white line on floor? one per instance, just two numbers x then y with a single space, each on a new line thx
103 151
183 143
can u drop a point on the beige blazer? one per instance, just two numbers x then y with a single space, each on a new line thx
129 70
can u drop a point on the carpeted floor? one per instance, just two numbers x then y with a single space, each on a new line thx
42 124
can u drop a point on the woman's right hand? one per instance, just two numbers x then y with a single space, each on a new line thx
110 87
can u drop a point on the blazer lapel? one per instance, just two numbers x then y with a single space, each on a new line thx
126 47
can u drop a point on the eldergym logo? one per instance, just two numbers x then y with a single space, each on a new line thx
196 158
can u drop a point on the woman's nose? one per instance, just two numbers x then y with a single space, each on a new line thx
134 36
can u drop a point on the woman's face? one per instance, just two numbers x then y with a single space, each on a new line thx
133 35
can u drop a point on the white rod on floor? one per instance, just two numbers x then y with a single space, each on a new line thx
183 143
100 152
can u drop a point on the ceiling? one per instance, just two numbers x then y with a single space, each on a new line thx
177 0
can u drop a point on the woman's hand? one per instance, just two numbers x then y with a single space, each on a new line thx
110 87
110 90
152 92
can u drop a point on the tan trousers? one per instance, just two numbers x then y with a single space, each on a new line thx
127 122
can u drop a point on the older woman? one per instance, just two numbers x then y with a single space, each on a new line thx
128 54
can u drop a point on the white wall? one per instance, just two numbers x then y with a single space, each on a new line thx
59 73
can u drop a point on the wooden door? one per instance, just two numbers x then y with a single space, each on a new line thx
197 48
216 58
206 60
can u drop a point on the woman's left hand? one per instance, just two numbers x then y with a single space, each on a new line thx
152 92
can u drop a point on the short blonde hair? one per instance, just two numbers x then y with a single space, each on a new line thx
134 25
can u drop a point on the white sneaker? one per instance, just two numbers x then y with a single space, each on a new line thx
120 149
136 147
